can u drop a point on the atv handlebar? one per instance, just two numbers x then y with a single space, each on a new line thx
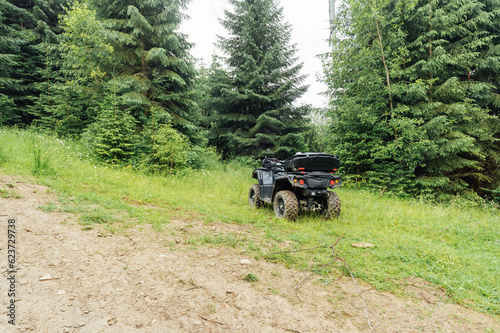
271 163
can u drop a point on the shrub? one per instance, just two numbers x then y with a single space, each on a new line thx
170 148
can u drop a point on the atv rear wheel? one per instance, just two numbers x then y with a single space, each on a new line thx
254 197
332 209
286 205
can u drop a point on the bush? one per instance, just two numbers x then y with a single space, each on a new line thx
170 149
203 158
244 161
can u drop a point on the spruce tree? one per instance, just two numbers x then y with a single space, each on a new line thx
26 28
453 51
153 67
376 136
15 39
253 96
11 40
414 93
78 73
112 136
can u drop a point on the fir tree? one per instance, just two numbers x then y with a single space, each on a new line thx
27 26
153 64
414 91
10 42
78 75
453 51
112 136
13 38
254 98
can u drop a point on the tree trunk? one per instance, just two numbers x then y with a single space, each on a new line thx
387 77
430 49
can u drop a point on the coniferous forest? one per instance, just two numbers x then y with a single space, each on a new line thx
413 87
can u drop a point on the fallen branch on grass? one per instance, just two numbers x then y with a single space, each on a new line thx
335 258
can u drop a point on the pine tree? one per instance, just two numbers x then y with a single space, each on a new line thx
254 98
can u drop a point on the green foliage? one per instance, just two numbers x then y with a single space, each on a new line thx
317 136
87 53
59 62
250 277
79 80
30 27
413 99
113 61
202 158
7 113
154 70
112 136
252 101
170 149
165 149
4 157
14 44
40 160
492 193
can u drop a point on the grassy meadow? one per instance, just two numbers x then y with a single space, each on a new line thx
454 246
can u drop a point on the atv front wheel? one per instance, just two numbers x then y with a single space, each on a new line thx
286 205
332 209
254 197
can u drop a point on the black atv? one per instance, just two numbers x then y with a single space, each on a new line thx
301 181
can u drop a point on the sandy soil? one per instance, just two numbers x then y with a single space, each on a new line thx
134 283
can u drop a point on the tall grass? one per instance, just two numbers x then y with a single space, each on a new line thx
3 155
41 162
455 247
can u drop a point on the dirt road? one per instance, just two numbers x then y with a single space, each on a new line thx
72 280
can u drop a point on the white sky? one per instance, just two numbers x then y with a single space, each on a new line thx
310 24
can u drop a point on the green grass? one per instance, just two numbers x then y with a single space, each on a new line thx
250 277
9 194
456 247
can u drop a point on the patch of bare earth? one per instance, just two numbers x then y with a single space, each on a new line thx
134 283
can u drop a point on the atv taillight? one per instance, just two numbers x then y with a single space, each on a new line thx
334 170
301 182
332 182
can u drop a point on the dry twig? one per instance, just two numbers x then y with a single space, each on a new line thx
335 258
212 321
